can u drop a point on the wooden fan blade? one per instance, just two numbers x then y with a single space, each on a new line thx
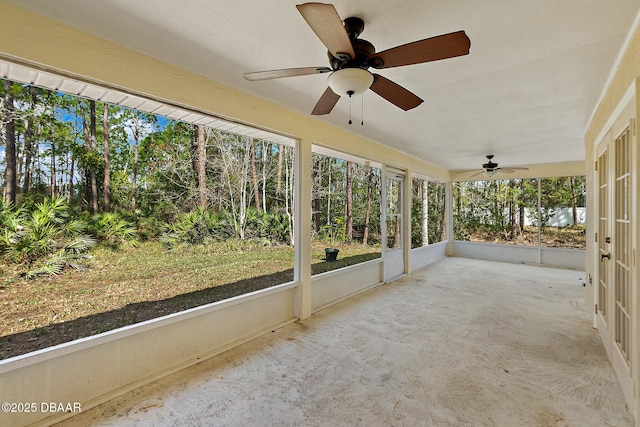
394 93
325 104
511 169
476 174
431 49
285 72
326 23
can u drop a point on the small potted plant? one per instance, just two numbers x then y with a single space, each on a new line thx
331 255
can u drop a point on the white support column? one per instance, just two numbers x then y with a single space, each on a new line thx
406 221
448 197
383 211
539 180
302 259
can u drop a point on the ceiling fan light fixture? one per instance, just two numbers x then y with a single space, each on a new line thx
490 173
350 81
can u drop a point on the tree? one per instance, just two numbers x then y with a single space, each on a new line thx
136 145
574 199
202 162
424 195
254 173
89 132
10 188
235 153
265 175
317 184
29 140
348 210
279 175
106 186
367 215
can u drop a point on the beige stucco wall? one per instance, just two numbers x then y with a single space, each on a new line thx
626 74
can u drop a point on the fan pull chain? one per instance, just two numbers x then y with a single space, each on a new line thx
350 93
362 117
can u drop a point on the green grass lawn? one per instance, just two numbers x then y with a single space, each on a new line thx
132 284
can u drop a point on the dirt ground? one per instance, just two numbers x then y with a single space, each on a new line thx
459 343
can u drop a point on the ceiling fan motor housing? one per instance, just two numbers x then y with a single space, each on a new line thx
363 49
490 165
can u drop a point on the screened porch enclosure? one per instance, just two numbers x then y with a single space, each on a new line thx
419 233
406 214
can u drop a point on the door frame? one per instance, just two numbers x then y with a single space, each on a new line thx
604 326
623 118
394 260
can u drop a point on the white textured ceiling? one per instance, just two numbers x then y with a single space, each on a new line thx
525 92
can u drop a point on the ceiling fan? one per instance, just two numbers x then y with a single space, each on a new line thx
350 58
491 168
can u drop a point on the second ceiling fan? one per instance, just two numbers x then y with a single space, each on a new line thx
350 58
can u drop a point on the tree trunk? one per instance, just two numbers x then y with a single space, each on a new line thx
20 153
106 184
52 166
512 211
367 213
443 213
73 163
329 219
91 146
289 190
279 176
317 205
202 168
348 212
10 147
264 176
521 208
254 174
29 138
425 212
136 141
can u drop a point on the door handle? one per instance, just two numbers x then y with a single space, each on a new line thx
603 256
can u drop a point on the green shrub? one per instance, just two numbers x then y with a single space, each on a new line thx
110 227
267 227
195 228
43 238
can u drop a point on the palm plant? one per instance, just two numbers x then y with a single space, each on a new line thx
43 238
112 228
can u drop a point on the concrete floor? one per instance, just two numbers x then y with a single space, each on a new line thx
459 343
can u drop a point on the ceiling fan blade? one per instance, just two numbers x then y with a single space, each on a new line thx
325 104
476 174
326 23
285 72
394 93
512 169
431 49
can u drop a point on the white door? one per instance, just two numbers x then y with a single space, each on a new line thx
393 252
616 293
603 299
